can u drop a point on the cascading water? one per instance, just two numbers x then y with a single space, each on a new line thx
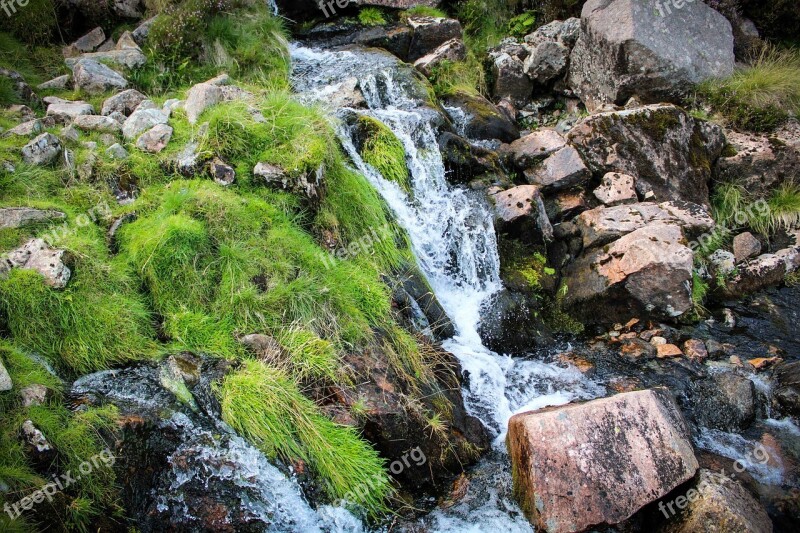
450 228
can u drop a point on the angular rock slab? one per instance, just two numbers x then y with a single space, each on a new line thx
598 462
627 48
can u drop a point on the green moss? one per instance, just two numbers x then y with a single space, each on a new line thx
371 16
384 151
264 406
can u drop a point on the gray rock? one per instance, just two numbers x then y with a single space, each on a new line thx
60 82
453 51
264 347
70 133
5 379
142 31
646 273
726 402
98 123
155 139
26 129
429 33
628 48
786 391
36 445
603 225
669 151
124 102
127 42
722 263
64 111
522 211
33 395
90 41
510 80
116 151
616 189
17 217
42 150
561 170
222 172
94 77
547 62
36 255
130 58
477 119
129 9
745 246
535 147
565 32
141 121
764 271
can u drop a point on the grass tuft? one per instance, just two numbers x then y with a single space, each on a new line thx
371 16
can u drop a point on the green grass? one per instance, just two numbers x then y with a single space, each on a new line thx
761 95
265 407
423 11
371 16
784 211
384 151
734 208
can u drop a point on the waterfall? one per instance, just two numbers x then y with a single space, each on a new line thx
451 228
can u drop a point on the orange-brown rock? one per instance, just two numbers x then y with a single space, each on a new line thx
598 462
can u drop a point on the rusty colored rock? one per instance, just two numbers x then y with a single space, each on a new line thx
598 462
664 351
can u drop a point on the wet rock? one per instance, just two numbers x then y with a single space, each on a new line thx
65 111
125 102
510 80
464 161
521 211
764 271
646 273
142 120
478 119
97 123
37 255
347 94
616 189
628 49
17 217
602 225
667 150
429 34
42 150
94 77
786 391
695 350
745 246
5 379
716 503
59 82
155 139
761 163
511 323
561 170
552 448
221 172
726 402
453 50
33 395
416 298
535 147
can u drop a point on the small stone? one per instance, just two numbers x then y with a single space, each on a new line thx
155 139
71 133
43 150
617 189
60 82
116 151
222 172
141 121
36 444
760 363
33 395
664 351
658 341
715 349
26 129
722 262
695 350
127 42
94 77
745 246
124 102
5 379
98 123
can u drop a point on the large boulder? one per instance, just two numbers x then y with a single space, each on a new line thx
764 271
509 80
94 77
645 273
534 147
511 323
670 152
478 119
632 48
603 225
65 110
561 170
210 93
598 462
715 502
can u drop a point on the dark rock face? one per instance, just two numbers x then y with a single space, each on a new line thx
787 387
416 299
479 119
726 402
630 48
660 145
510 324
464 161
